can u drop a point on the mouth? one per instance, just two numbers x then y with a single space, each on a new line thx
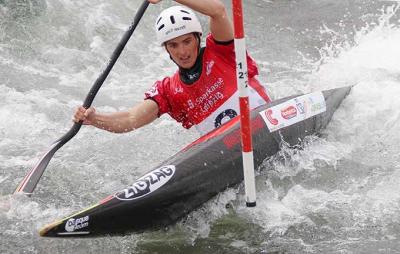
185 60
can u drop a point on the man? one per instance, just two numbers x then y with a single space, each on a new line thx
203 92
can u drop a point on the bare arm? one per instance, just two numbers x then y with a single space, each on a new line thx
220 24
120 122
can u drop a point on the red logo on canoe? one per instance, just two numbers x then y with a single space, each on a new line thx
289 112
272 120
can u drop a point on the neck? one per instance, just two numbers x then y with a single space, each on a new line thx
191 75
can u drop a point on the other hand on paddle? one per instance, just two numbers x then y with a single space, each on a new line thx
87 116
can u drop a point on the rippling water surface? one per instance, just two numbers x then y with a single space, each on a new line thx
338 193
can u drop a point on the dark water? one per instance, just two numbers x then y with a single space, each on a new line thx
339 193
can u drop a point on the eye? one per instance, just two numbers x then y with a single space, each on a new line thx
172 45
187 41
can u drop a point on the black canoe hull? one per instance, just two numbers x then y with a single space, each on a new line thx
201 170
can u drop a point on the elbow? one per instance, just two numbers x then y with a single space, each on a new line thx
218 10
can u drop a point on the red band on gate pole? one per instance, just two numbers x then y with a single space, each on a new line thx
238 18
245 124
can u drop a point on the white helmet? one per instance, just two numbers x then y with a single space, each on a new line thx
174 22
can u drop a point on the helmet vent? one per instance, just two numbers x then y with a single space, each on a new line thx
161 27
187 18
185 11
172 19
158 21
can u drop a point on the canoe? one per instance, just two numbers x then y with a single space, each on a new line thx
201 170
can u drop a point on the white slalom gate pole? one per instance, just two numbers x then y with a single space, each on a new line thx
242 83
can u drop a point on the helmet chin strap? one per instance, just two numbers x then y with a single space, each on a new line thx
198 37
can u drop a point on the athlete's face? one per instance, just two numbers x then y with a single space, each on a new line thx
183 50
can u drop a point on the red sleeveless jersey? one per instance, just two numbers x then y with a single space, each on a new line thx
213 98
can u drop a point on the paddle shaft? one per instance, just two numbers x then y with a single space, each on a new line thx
30 181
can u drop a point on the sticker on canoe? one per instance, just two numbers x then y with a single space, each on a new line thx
294 111
147 183
76 224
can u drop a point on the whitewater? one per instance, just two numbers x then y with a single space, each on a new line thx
339 192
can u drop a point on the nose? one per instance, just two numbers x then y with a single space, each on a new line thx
182 50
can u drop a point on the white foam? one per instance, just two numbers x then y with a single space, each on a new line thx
18 118
375 56
367 120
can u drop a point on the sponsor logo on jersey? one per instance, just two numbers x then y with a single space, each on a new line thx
211 96
210 90
224 117
153 91
217 116
209 66
178 90
289 112
75 224
147 184
190 103
211 102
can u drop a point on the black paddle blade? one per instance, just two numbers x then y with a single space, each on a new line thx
30 181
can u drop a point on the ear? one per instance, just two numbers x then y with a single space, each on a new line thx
198 37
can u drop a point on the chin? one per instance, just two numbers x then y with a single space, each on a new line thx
187 65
